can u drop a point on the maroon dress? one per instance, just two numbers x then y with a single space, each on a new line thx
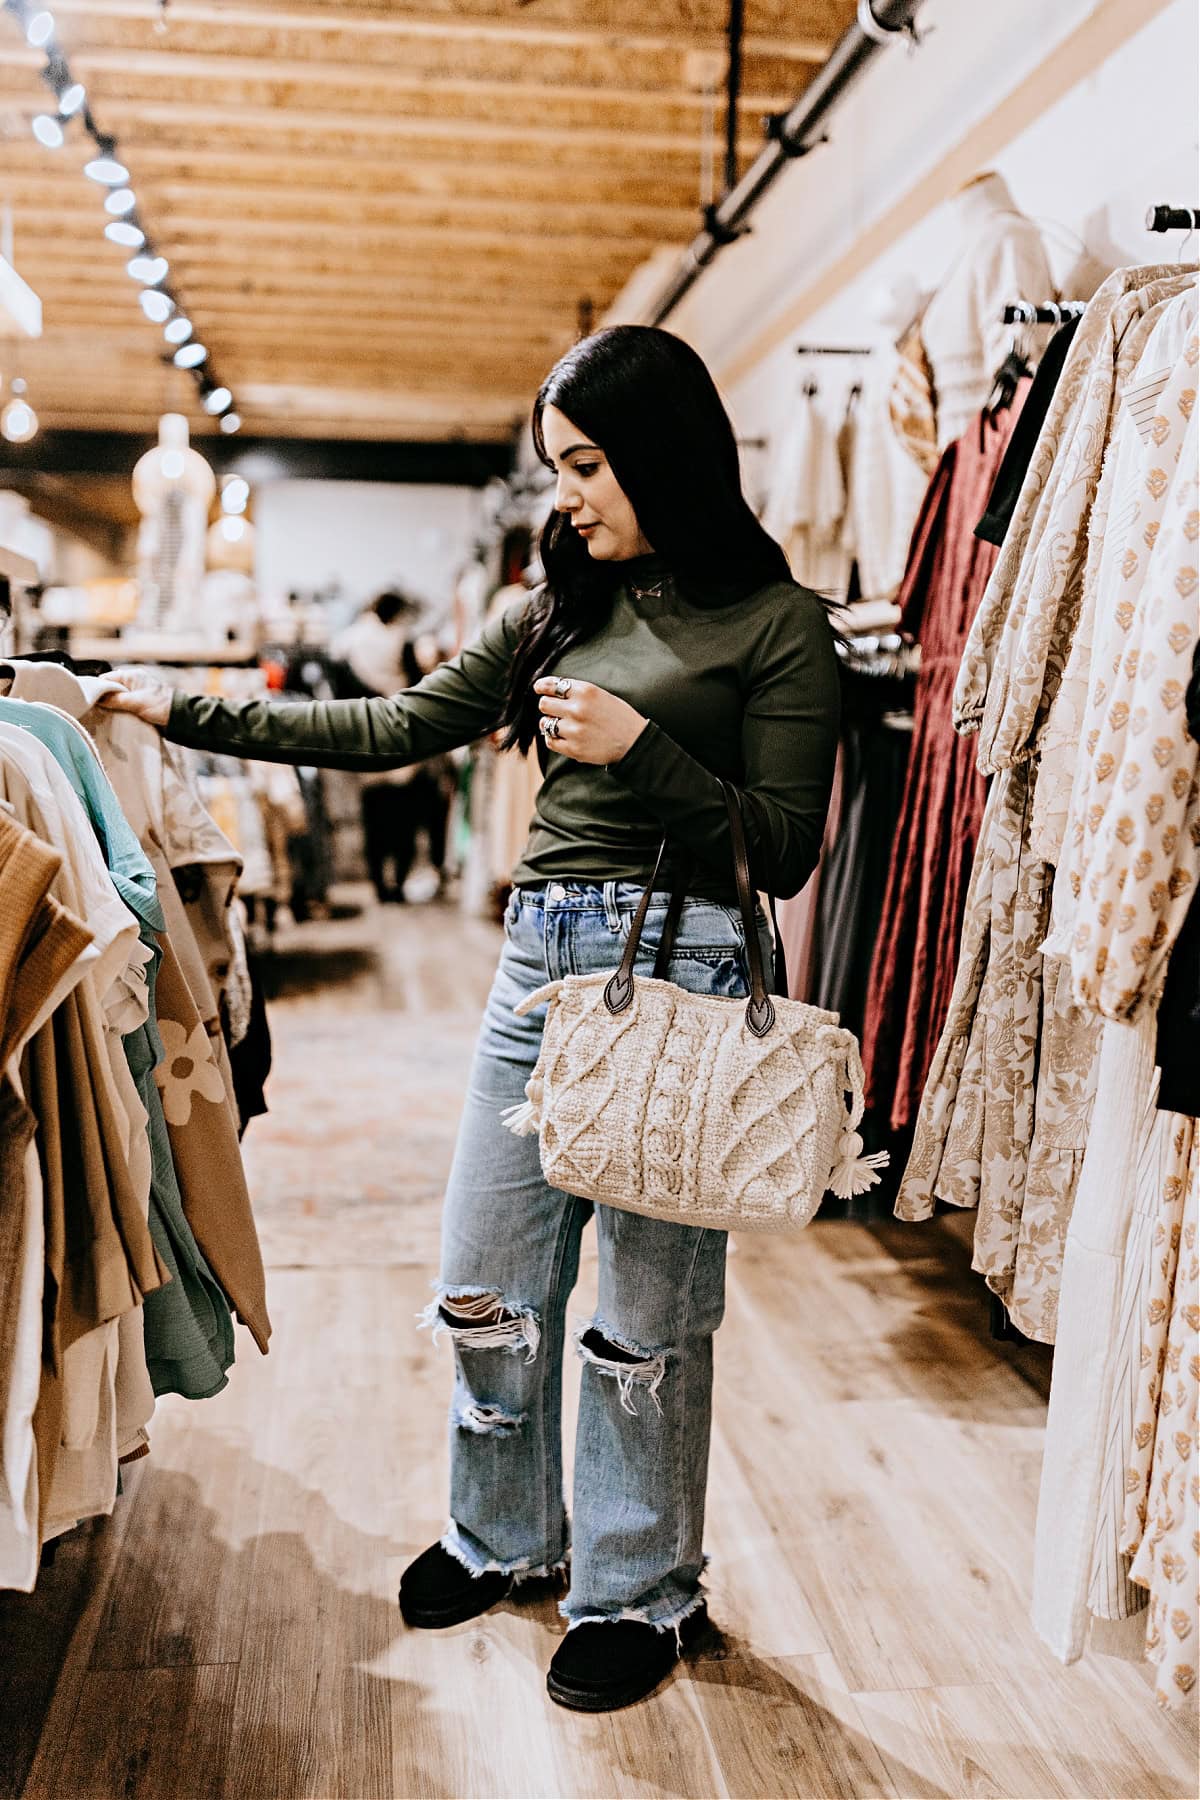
916 950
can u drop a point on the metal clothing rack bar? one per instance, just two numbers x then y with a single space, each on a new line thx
1042 312
1173 218
832 350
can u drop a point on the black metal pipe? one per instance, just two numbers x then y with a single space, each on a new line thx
792 134
733 91
1173 218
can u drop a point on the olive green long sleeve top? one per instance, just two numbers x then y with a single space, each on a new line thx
747 692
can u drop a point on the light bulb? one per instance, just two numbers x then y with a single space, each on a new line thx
48 131
71 99
18 422
156 306
231 422
235 493
122 232
40 30
233 530
178 331
148 269
218 400
190 357
121 200
172 465
107 170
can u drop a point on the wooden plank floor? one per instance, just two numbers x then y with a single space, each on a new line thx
232 1631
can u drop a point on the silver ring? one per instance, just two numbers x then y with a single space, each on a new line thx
553 728
562 687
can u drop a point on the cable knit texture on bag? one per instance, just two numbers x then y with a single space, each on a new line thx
673 1108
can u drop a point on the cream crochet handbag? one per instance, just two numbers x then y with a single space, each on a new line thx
725 1113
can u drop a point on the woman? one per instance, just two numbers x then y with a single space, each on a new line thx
668 648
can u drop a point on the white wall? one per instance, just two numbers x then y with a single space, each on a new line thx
1085 159
363 535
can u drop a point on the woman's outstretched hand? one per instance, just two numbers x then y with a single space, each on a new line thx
584 722
138 694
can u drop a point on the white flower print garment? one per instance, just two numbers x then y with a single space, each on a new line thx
187 1069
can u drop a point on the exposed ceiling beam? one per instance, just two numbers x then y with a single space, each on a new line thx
362 85
527 28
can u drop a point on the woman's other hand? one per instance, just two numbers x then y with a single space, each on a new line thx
583 721
138 694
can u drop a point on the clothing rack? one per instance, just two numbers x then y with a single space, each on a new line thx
1042 312
1173 218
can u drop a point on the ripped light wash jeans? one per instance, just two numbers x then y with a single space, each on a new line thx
510 1241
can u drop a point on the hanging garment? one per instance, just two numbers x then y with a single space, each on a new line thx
1139 861
807 498
912 968
1022 632
887 483
874 756
44 953
184 1342
980 1138
194 1078
1010 476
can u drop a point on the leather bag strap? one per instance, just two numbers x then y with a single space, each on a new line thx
618 991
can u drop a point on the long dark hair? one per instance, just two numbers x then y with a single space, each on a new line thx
645 398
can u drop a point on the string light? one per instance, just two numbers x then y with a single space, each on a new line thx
107 170
121 232
149 270
18 420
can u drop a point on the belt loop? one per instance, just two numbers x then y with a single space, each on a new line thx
612 912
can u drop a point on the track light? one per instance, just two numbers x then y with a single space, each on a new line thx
121 232
107 170
71 99
40 30
178 331
191 356
48 131
231 422
156 306
218 400
149 270
121 200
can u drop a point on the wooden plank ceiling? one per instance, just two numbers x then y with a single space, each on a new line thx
381 217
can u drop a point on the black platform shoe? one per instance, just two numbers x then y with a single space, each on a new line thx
436 1591
600 1667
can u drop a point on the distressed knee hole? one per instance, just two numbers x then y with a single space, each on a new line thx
481 1320
627 1364
486 1421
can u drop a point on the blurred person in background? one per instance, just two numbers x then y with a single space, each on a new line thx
383 655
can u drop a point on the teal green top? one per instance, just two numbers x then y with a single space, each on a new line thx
746 691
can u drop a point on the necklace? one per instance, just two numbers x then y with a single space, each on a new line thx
655 592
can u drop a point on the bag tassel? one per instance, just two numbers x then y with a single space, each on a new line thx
854 1173
524 1119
